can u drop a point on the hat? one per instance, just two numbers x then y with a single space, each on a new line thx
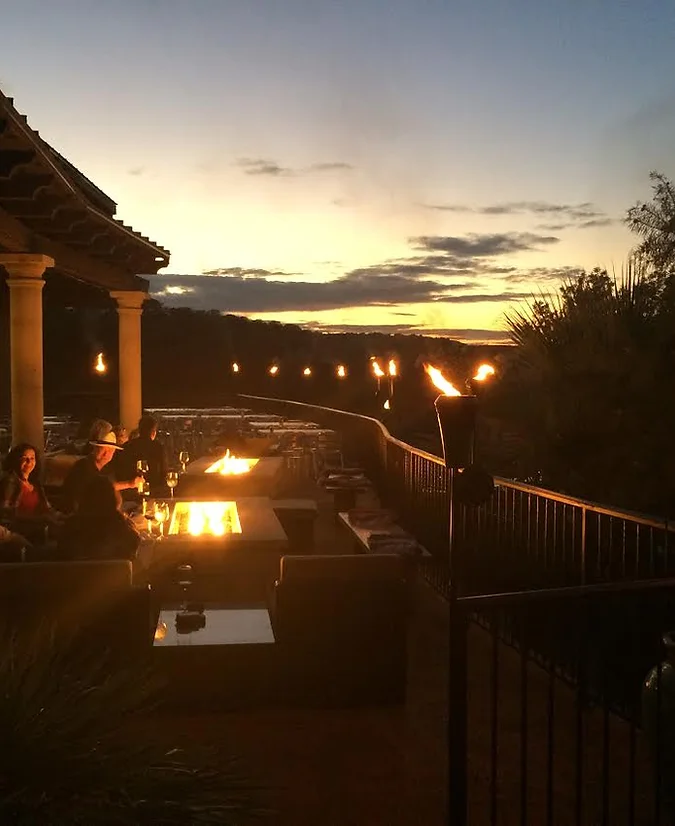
107 440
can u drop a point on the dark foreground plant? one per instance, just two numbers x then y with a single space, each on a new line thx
64 759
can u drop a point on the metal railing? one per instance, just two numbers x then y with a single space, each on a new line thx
555 752
581 594
524 537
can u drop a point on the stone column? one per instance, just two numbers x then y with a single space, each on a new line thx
129 309
25 282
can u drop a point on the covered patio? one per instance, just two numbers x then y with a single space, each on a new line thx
56 225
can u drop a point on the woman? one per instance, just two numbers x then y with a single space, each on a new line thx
21 494
98 529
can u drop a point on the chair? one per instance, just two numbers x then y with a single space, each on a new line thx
341 624
91 603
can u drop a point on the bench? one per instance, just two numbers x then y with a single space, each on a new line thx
297 517
362 536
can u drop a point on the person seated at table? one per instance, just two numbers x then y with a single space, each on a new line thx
102 447
21 493
146 446
98 529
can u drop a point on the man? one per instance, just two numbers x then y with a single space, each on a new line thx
101 450
146 446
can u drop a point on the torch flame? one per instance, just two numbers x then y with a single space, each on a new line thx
100 365
387 406
483 372
393 368
439 380
377 370
341 371
307 371
274 369
235 367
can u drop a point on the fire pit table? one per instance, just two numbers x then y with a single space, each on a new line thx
233 549
231 476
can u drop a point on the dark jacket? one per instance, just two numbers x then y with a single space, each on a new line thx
87 538
154 454
76 482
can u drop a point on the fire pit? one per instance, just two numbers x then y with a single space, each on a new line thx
232 549
204 519
231 477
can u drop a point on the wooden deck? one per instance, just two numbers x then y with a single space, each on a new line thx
387 766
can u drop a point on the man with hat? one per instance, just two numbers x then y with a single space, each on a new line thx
102 447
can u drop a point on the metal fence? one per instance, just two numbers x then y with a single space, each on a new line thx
524 537
581 594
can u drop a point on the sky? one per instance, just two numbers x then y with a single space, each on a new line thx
402 165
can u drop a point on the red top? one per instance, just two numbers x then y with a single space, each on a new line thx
28 503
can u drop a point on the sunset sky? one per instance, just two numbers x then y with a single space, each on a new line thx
398 164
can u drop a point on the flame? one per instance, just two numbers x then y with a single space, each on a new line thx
387 406
235 367
230 465
393 368
341 371
439 380
274 369
483 372
307 371
199 518
377 370
100 365
160 630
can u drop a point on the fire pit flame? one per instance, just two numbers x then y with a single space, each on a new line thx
205 519
230 465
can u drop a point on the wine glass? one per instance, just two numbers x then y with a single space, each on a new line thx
172 480
183 458
149 514
162 513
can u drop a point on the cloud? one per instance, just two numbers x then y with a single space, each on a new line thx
446 270
272 169
584 215
477 298
261 166
485 245
477 336
244 272
534 275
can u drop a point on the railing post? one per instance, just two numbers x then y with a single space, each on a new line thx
584 513
457 678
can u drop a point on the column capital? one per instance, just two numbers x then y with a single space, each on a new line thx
24 265
129 299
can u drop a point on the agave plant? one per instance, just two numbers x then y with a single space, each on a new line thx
63 760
